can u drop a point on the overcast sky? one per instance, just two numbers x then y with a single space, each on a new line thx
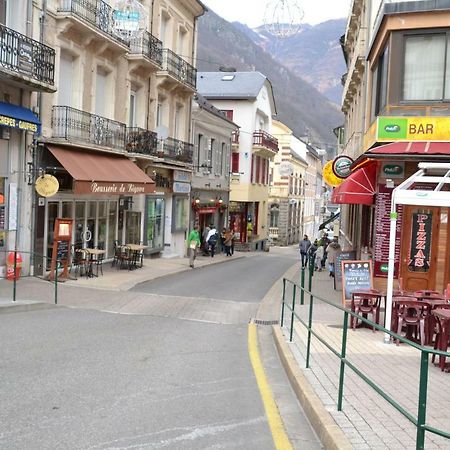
251 12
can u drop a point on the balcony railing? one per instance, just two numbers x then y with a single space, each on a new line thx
142 141
148 46
266 140
26 57
179 68
79 126
96 12
177 150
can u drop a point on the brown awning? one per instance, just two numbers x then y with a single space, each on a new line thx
96 173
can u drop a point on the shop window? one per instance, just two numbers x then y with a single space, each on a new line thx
155 223
426 67
180 213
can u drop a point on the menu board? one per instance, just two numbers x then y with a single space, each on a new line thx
382 231
356 275
63 250
61 247
343 256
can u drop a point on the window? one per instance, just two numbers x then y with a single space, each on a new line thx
235 162
274 214
180 213
253 170
222 157
181 41
101 92
426 69
380 83
210 153
199 150
65 84
132 118
228 113
3 12
159 114
177 128
164 30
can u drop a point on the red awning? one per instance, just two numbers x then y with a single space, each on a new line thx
358 188
96 173
404 150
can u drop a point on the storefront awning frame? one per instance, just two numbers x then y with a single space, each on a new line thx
404 194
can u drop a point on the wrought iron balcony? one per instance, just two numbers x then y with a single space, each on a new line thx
143 142
26 60
179 68
95 12
78 126
264 139
149 46
176 150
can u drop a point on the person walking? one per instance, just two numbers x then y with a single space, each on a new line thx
205 240
193 244
333 250
319 257
211 240
312 253
304 247
228 242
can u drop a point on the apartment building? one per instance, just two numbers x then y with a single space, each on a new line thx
212 132
27 71
405 122
287 187
247 99
116 134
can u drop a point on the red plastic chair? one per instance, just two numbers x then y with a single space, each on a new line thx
412 314
367 304
439 340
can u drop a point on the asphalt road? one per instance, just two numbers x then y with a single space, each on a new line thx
83 379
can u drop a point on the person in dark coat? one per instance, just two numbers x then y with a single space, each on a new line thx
304 245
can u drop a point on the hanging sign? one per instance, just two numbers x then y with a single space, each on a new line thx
419 260
46 185
341 166
328 175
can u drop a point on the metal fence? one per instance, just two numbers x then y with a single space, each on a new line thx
25 56
10 281
149 46
142 141
177 150
418 420
80 126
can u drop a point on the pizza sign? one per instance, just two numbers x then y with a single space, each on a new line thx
419 260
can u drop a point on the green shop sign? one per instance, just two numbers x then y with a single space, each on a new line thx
392 128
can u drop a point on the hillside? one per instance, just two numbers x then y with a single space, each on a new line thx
302 107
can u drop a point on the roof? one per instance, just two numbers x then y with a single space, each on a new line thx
207 106
313 151
233 86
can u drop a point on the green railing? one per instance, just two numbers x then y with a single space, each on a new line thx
14 279
420 420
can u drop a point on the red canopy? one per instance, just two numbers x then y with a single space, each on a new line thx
358 188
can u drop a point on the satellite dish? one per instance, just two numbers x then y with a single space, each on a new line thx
162 132
283 18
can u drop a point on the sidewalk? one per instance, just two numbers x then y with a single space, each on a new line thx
368 421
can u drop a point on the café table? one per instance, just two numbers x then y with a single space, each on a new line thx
137 250
366 301
93 254
442 316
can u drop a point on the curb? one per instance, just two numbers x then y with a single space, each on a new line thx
331 436
23 307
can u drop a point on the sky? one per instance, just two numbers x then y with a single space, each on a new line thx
252 12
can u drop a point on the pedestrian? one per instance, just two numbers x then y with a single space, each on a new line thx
211 239
319 257
333 250
205 240
193 244
228 242
304 247
222 240
312 253
325 242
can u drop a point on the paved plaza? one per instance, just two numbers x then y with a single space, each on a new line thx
367 420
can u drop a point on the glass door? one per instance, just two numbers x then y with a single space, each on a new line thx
80 223
90 235
102 224
133 227
112 227
155 223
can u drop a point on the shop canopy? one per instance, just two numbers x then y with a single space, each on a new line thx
358 188
18 117
95 173
429 186
410 150
328 221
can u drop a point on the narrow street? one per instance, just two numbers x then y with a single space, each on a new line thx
86 379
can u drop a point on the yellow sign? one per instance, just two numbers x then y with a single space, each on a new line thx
47 185
328 175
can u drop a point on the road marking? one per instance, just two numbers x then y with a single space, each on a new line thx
279 435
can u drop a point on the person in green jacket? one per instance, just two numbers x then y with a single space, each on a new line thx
193 244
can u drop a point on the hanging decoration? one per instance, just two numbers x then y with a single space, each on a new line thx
283 18
130 19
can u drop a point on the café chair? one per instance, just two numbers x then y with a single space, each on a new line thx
98 262
125 257
79 261
442 339
367 304
412 314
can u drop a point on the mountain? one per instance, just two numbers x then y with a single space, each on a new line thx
300 105
314 53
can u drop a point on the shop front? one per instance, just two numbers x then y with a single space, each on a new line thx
103 194
209 207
